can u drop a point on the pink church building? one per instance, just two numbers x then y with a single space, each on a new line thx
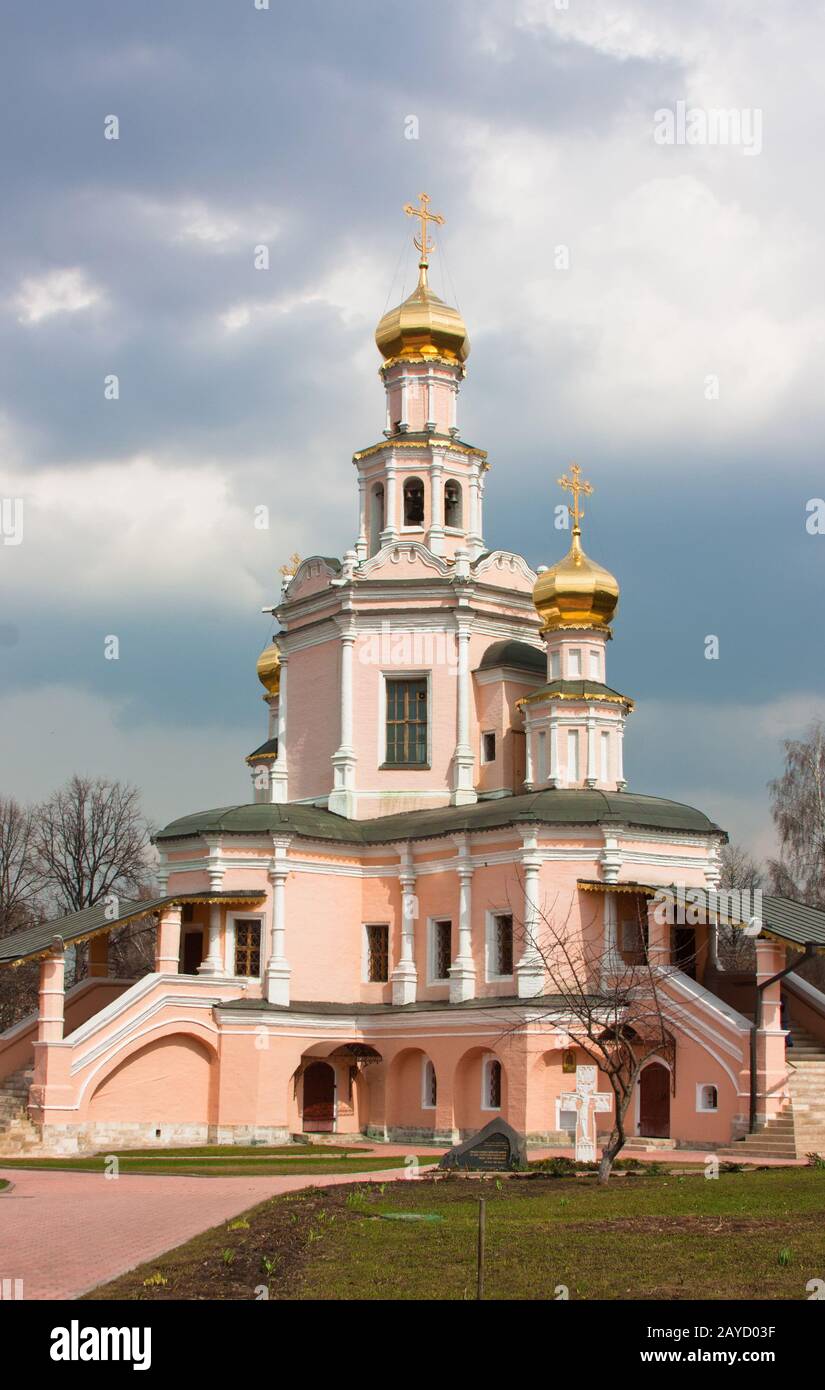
358 948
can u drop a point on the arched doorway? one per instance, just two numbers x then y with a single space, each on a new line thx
654 1101
319 1099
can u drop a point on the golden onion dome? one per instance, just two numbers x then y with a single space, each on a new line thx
423 326
576 592
269 668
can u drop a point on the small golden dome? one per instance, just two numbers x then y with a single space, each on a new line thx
269 668
423 326
576 592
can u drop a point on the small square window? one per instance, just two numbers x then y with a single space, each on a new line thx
378 954
488 748
248 948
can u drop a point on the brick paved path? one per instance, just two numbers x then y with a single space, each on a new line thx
65 1233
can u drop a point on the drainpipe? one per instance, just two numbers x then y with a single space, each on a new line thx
810 950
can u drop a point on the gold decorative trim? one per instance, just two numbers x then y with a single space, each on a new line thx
583 699
401 443
423 359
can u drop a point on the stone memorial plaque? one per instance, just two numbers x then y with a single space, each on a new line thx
497 1148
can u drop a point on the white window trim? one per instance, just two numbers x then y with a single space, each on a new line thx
365 953
426 1104
706 1109
559 1108
392 675
488 733
485 1085
232 918
489 944
432 978
574 652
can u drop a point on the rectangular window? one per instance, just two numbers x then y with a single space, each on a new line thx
407 723
502 944
378 954
574 663
542 757
594 666
488 748
573 756
605 755
442 957
555 666
247 948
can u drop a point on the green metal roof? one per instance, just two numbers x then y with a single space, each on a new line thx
568 807
265 750
30 942
511 652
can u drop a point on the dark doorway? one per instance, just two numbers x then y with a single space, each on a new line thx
519 746
684 950
654 1102
192 952
319 1099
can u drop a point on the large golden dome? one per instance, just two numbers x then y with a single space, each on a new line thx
576 592
269 668
423 326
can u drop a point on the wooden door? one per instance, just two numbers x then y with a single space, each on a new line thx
319 1099
654 1102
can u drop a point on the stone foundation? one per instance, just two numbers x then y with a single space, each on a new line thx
67 1140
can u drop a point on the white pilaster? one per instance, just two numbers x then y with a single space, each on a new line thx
530 967
362 544
390 531
463 970
278 777
435 539
342 797
592 771
405 975
611 960
554 752
213 964
277 968
464 792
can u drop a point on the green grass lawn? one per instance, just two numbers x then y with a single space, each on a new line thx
755 1235
224 1163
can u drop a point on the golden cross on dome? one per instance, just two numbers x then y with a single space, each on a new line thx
577 487
424 215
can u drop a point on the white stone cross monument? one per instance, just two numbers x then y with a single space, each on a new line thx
586 1101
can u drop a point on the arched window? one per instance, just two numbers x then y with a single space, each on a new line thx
453 510
707 1098
376 517
491 1094
429 1087
413 502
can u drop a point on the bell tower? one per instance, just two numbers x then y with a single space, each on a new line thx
423 483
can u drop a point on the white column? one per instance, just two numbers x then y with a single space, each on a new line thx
592 770
435 539
362 545
342 797
278 777
464 793
213 964
554 752
430 421
611 960
530 967
277 969
620 777
404 422
463 970
405 975
390 531
528 755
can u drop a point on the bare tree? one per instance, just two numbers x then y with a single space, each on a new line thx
20 886
613 1004
92 839
740 871
798 810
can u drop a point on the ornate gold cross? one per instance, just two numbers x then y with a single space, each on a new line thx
424 215
291 565
577 487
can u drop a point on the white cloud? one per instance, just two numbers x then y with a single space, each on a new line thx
57 292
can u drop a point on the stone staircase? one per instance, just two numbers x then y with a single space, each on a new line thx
17 1134
800 1129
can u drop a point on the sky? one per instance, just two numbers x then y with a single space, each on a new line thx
654 311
